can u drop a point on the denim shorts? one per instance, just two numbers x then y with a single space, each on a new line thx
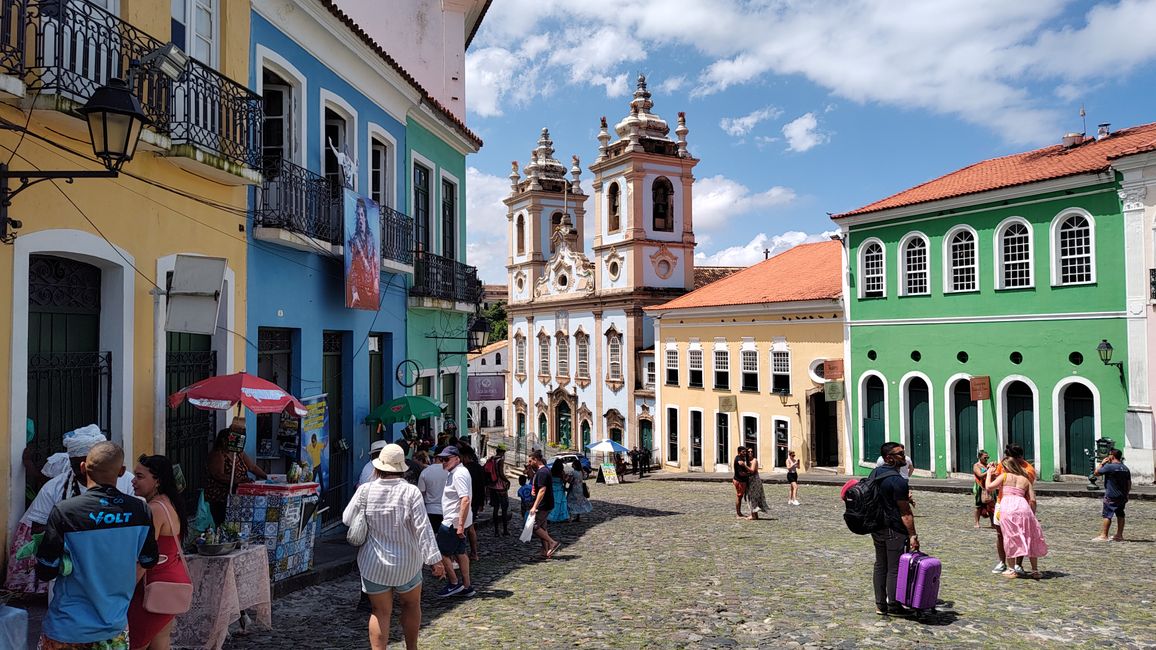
373 588
449 543
1114 507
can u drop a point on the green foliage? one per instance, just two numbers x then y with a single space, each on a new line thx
499 326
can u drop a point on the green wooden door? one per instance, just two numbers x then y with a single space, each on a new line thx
646 434
1021 418
1079 429
919 423
966 421
873 419
585 428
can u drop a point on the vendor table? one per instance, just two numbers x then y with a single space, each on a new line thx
224 585
279 515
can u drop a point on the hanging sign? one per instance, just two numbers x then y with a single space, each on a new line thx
728 403
833 391
315 438
980 388
833 369
362 235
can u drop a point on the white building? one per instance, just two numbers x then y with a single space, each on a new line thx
486 393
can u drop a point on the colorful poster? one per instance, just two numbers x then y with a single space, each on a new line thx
362 237
315 438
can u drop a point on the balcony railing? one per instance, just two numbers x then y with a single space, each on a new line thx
12 36
295 199
396 236
78 47
218 115
440 277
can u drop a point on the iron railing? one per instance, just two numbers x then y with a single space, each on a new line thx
396 236
189 430
440 277
218 115
298 200
78 47
12 36
67 390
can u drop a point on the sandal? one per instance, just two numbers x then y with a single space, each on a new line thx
1036 575
550 553
1010 573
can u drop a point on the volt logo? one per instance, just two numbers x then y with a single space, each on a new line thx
110 517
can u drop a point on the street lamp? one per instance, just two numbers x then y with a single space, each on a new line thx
114 119
1104 349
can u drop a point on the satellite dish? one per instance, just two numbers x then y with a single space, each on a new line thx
194 298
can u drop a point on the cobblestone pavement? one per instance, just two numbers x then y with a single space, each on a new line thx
667 565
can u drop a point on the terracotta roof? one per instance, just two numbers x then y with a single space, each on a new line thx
368 40
1090 157
805 272
704 275
496 345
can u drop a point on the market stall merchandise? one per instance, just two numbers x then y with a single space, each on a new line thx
280 516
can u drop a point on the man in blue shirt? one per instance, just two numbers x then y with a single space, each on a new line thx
899 532
1117 485
110 539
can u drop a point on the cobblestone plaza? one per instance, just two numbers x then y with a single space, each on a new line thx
663 564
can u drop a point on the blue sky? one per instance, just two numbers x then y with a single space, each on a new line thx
797 109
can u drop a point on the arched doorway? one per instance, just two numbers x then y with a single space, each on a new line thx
965 424
1079 428
645 434
1019 404
874 418
824 430
563 424
918 423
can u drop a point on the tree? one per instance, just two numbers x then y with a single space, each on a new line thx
499 326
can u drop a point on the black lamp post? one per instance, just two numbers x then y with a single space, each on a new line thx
1104 349
115 120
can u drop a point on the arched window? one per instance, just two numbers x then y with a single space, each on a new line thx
613 198
1015 255
614 346
663 194
961 256
1073 250
871 270
520 236
498 417
498 359
520 355
583 343
915 271
485 418
543 355
563 355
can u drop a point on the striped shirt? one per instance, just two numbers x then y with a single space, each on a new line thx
400 538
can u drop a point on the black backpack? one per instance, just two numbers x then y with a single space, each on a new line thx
864 503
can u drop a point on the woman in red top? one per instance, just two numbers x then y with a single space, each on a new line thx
153 481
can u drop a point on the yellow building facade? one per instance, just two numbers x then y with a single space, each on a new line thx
82 283
740 362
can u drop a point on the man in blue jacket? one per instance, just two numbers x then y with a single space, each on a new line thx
108 535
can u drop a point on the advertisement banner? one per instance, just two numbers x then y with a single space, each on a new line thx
362 237
486 388
315 438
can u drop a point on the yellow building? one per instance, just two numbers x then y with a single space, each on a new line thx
83 323
741 363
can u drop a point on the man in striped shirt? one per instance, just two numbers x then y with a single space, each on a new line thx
456 518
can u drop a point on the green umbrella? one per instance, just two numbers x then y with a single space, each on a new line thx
403 408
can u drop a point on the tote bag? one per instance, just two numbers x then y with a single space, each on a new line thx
169 597
359 529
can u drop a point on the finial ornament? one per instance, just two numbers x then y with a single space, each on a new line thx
681 132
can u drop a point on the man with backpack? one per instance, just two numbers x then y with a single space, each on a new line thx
879 505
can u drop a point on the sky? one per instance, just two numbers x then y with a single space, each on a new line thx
796 108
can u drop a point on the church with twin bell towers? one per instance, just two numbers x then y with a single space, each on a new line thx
582 349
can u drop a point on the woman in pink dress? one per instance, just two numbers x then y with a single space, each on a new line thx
1022 536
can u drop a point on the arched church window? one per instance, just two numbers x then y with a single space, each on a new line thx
663 195
614 200
520 236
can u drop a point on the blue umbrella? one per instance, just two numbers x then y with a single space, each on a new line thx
607 446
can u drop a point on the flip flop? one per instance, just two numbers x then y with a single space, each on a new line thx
550 553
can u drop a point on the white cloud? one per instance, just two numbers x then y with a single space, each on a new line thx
741 126
752 252
486 224
672 84
718 200
802 133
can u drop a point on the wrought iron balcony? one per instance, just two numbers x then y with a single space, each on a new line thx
396 236
298 200
217 114
440 277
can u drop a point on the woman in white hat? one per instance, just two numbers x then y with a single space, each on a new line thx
400 541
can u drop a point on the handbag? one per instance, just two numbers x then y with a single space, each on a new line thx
169 598
359 529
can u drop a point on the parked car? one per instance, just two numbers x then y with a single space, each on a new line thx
568 458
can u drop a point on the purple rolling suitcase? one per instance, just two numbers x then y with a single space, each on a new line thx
917 585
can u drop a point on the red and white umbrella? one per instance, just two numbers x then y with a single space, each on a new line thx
225 391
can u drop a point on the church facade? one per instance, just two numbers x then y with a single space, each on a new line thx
581 347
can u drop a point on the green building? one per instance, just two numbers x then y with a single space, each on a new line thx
1008 273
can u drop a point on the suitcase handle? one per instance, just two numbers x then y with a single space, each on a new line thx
912 565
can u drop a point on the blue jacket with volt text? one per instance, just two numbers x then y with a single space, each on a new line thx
107 534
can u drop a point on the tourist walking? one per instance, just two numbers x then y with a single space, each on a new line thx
899 531
543 504
756 497
578 495
995 469
792 478
457 517
1117 487
479 487
983 499
107 538
398 544
499 486
741 474
431 483
1022 536
154 482
561 509
367 470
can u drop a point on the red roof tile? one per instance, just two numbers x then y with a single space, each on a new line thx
368 40
805 272
1090 157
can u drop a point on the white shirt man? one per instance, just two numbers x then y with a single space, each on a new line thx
904 471
367 471
457 516
432 484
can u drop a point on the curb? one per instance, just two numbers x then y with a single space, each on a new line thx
318 574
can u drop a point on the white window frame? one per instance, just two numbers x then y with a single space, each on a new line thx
613 364
520 355
543 354
1057 261
298 91
694 353
949 265
459 252
562 342
435 206
1000 284
862 253
582 354
721 352
748 352
904 273
335 103
779 350
651 373
668 420
670 363
189 21
389 183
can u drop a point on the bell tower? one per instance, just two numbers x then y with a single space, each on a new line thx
538 206
644 230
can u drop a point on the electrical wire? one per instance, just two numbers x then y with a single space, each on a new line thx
24 130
